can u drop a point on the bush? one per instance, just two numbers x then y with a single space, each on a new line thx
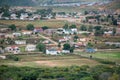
12 57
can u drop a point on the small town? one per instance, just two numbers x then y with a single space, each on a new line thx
61 36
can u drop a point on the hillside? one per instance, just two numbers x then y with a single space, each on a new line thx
41 2
114 5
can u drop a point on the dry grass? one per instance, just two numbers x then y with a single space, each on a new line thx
50 61
40 23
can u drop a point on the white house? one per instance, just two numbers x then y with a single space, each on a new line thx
30 47
26 32
108 32
16 34
13 16
13 49
65 51
20 42
74 30
53 51
24 16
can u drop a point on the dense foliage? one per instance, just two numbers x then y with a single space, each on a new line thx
85 72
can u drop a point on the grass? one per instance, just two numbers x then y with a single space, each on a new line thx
38 60
39 23
110 56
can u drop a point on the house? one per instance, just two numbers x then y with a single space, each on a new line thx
90 50
92 20
24 16
17 34
1 50
5 30
2 35
74 30
65 51
30 47
62 40
68 31
20 42
32 40
117 44
108 33
36 17
13 49
118 30
26 32
13 16
50 31
1 15
53 51
79 44
9 36
38 30
46 42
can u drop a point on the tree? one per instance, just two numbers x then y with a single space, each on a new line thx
45 27
72 26
72 49
12 27
5 10
86 12
30 27
83 28
90 29
66 26
59 44
75 38
89 45
114 22
114 31
41 47
97 28
66 46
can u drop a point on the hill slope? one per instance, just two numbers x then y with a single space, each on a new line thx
40 2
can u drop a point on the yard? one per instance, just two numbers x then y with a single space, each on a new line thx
37 60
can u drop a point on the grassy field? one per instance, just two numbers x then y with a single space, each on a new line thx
37 60
39 23
110 56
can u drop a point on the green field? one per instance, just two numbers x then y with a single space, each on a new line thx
109 56
37 60
82 58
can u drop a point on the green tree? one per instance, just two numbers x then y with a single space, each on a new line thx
72 26
97 28
89 45
90 28
30 27
45 27
114 31
41 47
83 28
65 26
66 46
72 49
75 38
12 27
59 44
